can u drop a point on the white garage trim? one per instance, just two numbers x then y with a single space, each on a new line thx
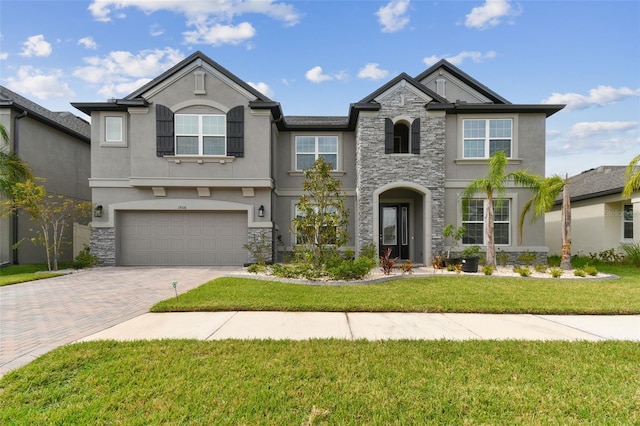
178 204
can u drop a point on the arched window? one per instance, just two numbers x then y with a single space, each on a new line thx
402 137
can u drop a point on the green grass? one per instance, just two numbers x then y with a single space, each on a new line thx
327 382
420 294
15 274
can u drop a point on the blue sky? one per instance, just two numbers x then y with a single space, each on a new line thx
317 57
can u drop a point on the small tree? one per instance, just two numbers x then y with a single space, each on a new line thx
546 191
12 168
52 214
633 177
493 185
322 219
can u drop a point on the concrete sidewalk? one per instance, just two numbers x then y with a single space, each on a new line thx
371 326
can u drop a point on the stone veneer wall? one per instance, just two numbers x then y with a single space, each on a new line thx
103 245
260 238
376 169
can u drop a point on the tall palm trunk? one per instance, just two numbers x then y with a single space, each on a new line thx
565 262
491 244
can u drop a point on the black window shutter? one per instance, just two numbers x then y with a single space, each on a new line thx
235 132
164 131
388 136
415 136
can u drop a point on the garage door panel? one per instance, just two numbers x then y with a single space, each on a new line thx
182 238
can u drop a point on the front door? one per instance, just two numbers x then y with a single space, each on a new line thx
394 230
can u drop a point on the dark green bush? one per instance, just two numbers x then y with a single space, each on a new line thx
349 270
85 259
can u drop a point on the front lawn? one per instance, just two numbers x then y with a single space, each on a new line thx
15 274
327 382
419 294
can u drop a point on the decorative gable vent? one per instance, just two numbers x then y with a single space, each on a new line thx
441 87
199 77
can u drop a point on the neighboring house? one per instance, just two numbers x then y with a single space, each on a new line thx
601 218
195 164
56 145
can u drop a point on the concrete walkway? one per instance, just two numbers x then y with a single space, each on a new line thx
113 303
371 326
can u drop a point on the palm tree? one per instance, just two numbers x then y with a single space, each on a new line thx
12 168
633 177
546 192
494 185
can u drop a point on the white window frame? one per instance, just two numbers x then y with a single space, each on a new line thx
316 152
625 221
487 136
121 140
509 202
296 213
201 135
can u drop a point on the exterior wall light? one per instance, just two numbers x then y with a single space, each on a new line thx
97 212
261 211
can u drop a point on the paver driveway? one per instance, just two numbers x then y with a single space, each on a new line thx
39 316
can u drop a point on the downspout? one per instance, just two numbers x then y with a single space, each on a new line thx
16 143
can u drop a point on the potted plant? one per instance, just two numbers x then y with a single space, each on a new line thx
455 234
470 258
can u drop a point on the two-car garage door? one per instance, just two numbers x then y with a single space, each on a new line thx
185 238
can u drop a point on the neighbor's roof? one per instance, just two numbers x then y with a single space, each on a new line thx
64 121
597 182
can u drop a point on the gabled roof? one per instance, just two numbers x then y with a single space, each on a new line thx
135 98
596 182
466 78
64 121
198 55
406 77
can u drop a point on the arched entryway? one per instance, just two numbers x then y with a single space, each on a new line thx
402 221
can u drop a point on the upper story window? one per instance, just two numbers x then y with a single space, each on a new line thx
627 221
483 137
402 137
201 134
473 221
310 148
113 130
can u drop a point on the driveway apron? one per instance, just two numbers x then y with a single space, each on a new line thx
39 316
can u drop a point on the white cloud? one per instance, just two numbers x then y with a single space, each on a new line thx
373 72
458 59
121 72
595 128
4 56
217 34
262 88
601 95
490 14
32 81
156 30
88 42
393 17
122 89
315 75
36 46
211 19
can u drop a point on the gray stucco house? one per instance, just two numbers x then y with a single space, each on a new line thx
196 163
56 145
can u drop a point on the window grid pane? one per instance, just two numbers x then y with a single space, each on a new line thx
310 148
214 125
187 124
628 222
187 145
484 137
214 145
113 129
